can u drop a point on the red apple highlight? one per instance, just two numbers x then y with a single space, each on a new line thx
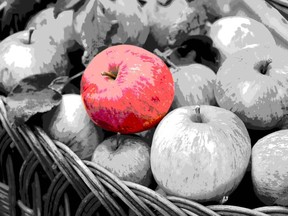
127 89
200 152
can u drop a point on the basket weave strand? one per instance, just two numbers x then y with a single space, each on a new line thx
51 170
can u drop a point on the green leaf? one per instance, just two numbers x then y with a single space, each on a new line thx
34 94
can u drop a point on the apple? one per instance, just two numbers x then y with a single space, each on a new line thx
253 83
200 153
70 124
125 156
127 89
233 33
269 168
194 85
45 21
102 23
172 22
29 52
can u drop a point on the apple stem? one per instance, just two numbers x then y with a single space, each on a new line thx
31 30
109 74
264 66
75 76
224 200
117 139
164 56
198 114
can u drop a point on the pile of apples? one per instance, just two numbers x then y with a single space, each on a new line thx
185 97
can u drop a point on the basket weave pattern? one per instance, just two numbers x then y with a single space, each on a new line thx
40 176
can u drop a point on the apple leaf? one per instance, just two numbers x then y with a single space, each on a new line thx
59 83
62 5
34 94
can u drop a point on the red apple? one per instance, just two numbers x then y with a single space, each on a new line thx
127 89
194 85
269 168
70 124
126 156
253 83
233 33
200 152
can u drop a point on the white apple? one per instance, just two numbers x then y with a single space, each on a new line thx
126 156
30 52
269 168
200 153
253 83
233 33
194 85
70 124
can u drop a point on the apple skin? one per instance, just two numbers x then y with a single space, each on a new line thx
70 124
260 100
19 59
100 24
137 99
202 161
269 168
172 22
233 33
194 85
44 21
129 159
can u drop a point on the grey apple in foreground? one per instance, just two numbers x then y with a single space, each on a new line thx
70 124
126 156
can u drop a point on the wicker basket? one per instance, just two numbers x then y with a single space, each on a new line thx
39 176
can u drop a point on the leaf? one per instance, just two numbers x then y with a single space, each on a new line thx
34 94
62 5
59 83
